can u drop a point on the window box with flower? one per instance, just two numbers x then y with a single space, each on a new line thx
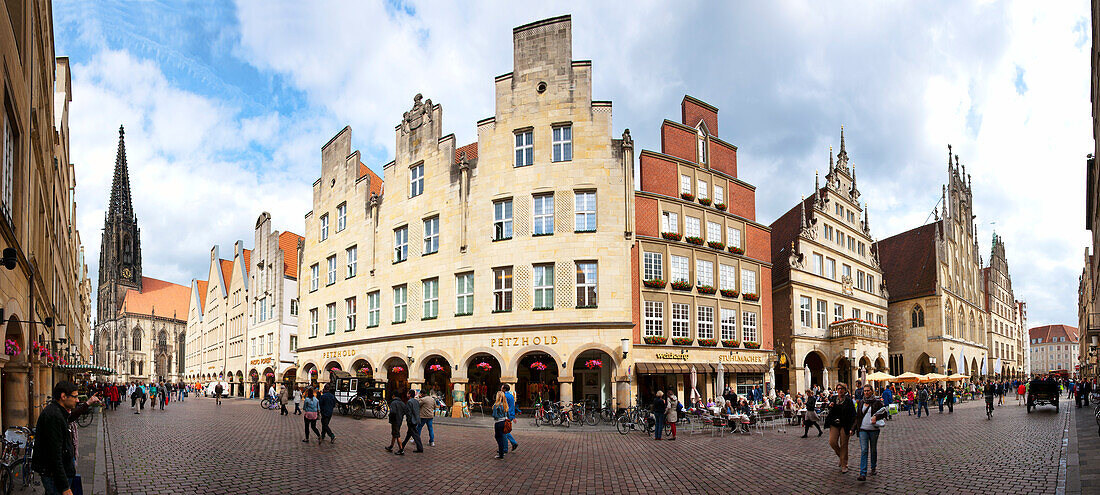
704 201
654 283
720 206
751 296
752 345
729 293
682 340
708 342
706 289
687 196
736 250
698 241
731 343
681 285
716 245
672 236
656 339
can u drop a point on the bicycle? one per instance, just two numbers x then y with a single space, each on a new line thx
607 413
16 466
269 403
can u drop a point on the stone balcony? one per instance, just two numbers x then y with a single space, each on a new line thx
858 329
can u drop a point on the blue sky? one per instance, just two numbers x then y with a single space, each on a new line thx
226 105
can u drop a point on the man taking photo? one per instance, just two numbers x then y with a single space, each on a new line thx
54 455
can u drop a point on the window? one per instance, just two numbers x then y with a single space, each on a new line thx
293 343
805 308
678 266
586 284
313 322
748 326
331 270
680 316
253 344
670 222
822 313
829 232
431 298
654 318
400 303
748 282
847 271
870 283
685 184
464 288
840 238
840 211
838 312
324 226
861 280
861 248
704 273
416 180
353 257
544 286
8 170
341 216
719 195
701 138
702 188
704 322
562 143
431 235
733 236
270 342
830 268
502 289
349 314
525 148
293 307
330 310
727 277
691 227
374 309
714 232
314 276
878 319
729 324
855 313
851 243
544 214
401 244
585 208
653 265
502 220
819 264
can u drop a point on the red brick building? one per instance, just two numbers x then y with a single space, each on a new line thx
702 278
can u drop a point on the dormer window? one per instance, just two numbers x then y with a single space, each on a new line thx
701 138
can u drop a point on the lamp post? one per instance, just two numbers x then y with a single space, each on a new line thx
409 353
850 355
625 344
932 361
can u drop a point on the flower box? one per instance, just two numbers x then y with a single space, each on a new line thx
11 348
720 206
708 342
656 339
397 369
688 196
698 241
654 283
704 201
681 285
736 250
672 236
682 340
716 245
365 371
752 345
731 343
729 293
706 289
751 296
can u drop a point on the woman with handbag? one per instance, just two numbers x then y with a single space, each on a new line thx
810 417
501 422
871 414
312 410
671 411
840 420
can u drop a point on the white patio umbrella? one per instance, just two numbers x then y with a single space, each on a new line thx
694 381
721 378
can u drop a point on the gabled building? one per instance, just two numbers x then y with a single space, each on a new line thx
830 306
1054 348
1005 336
273 304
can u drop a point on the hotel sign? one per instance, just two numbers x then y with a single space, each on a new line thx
254 362
339 353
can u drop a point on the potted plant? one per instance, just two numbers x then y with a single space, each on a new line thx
736 250
708 342
682 340
704 201
11 348
593 364
751 296
484 366
720 206
364 370
752 345
538 366
688 196
729 293
435 367
681 285
656 339
731 343
397 369
706 289
672 236
698 241
654 283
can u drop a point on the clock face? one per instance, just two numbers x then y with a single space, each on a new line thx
126 272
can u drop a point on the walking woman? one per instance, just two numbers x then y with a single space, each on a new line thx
500 415
869 411
312 409
841 416
810 418
659 406
670 412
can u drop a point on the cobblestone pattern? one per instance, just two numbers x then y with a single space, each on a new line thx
239 448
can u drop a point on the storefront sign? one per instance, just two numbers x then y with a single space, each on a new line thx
254 362
339 353
742 357
682 356
522 341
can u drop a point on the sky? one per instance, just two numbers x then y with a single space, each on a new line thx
226 106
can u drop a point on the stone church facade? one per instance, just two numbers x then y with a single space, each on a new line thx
139 320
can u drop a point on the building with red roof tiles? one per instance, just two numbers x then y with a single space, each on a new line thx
830 301
1053 348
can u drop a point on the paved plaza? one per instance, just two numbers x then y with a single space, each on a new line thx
196 447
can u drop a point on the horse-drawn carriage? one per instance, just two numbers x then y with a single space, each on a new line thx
1043 391
357 396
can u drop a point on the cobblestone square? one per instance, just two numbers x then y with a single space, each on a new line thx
197 447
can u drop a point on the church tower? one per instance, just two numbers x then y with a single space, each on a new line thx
120 250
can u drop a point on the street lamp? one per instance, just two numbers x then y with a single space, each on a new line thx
850 355
409 353
626 346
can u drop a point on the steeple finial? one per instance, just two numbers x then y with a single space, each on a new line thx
817 192
120 186
802 212
830 162
948 157
842 155
842 139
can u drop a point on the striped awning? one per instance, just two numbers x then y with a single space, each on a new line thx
672 368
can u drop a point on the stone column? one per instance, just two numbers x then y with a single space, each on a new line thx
622 392
16 410
566 388
416 383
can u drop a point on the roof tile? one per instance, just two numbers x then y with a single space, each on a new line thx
909 262
157 298
288 242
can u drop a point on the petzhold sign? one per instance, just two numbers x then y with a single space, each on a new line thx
522 341
254 362
339 353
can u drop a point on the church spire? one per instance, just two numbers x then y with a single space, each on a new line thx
120 187
842 155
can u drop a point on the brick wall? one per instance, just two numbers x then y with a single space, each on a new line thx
742 201
646 218
723 159
692 112
678 142
659 176
758 245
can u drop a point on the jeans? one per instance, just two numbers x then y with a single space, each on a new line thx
297 408
659 427
324 427
923 405
940 400
414 434
48 485
950 405
498 432
868 442
431 431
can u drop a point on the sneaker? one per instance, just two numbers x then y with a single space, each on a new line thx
432 444
515 446
861 478
332 440
305 440
399 452
872 471
389 449
498 456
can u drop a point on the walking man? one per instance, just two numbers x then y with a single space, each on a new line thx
412 418
511 398
297 401
328 404
55 454
162 391
922 401
427 414
397 414
950 398
218 394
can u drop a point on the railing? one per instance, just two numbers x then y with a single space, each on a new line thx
854 328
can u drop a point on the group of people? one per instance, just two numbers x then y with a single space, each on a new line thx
416 410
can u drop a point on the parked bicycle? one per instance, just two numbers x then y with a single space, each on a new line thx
15 460
635 418
269 403
550 414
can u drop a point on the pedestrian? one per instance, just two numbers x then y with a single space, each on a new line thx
511 416
1021 391
54 457
162 391
670 412
397 414
113 396
950 398
500 421
427 414
218 393
659 406
328 404
869 412
810 418
940 394
282 402
297 400
412 422
922 401
312 409
840 422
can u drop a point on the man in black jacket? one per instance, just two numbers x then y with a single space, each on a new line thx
327 405
397 414
54 455
412 421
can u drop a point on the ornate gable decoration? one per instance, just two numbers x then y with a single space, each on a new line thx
420 114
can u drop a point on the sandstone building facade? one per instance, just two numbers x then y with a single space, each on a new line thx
1005 337
1053 348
